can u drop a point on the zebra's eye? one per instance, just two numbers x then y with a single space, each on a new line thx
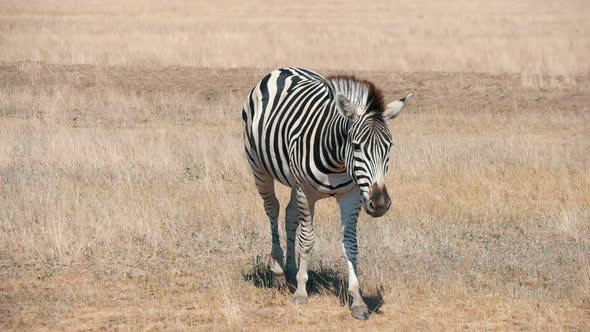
356 147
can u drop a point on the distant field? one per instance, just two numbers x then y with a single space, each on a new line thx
126 201
537 37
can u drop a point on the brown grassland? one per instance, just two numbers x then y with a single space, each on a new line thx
126 201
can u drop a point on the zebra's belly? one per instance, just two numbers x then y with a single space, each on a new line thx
325 185
318 184
279 169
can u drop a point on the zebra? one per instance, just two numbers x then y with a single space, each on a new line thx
322 137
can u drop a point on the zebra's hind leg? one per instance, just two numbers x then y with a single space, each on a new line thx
306 240
266 189
291 224
350 207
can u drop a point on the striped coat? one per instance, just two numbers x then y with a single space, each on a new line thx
322 137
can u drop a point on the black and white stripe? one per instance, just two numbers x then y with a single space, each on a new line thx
322 137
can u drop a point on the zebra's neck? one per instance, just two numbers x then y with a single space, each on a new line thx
333 135
361 93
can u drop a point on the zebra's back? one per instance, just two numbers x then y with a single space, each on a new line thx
282 116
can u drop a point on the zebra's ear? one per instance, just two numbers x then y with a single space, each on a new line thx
345 107
393 109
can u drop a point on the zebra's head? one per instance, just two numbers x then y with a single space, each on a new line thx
367 149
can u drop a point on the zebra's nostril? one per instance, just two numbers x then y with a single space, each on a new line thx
371 205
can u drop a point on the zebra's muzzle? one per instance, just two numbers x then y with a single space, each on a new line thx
379 201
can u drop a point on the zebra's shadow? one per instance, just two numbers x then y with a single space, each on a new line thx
321 281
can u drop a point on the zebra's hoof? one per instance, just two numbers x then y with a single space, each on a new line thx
299 299
360 313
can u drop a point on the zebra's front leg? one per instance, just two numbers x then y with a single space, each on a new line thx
305 242
350 207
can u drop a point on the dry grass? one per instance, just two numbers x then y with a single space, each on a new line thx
536 37
128 203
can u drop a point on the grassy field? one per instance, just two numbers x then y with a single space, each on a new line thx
126 201
537 37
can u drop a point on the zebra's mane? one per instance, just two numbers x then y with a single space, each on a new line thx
358 91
